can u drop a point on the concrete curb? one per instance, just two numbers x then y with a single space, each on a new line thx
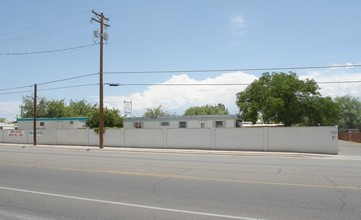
174 151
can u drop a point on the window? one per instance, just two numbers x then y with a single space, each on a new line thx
137 124
42 123
203 125
164 123
219 124
71 122
182 124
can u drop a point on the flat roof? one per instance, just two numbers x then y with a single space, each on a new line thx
185 117
54 119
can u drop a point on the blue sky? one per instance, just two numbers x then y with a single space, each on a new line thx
152 35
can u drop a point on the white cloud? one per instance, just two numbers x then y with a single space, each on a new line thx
237 23
175 99
9 110
237 27
178 98
337 76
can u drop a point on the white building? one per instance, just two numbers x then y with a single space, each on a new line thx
7 126
52 123
195 121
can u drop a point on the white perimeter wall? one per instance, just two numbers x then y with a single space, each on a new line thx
298 139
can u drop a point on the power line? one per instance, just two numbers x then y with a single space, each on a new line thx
211 84
9 93
234 70
19 87
177 84
50 82
68 87
193 71
47 89
46 51
157 84
66 79
339 82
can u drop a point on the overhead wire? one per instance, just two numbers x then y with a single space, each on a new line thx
44 24
210 84
68 87
234 70
67 79
54 88
47 51
18 87
182 71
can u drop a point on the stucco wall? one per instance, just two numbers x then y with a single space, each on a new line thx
143 138
198 138
302 139
239 139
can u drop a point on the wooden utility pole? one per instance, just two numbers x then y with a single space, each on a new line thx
35 107
100 19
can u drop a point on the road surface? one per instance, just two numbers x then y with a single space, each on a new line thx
88 183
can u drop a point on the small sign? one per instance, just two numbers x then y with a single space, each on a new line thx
16 133
334 135
128 108
38 133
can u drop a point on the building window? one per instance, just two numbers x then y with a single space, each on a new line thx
164 123
137 124
182 124
42 123
71 122
203 125
219 124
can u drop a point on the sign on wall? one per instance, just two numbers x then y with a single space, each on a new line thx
38 133
16 133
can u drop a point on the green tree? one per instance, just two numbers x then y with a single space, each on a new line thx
321 111
350 116
2 120
155 112
111 118
80 108
219 109
27 107
56 109
283 98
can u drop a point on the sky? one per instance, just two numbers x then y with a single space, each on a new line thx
154 43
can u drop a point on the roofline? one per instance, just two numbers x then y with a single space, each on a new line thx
185 117
54 119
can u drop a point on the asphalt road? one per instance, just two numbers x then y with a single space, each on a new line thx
88 183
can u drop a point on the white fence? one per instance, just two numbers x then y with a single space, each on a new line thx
297 139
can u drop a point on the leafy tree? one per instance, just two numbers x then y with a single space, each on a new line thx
59 109
2 120
111 118
219 109
80 108
27 108
321 111
350 116
155 112
56 109
283 98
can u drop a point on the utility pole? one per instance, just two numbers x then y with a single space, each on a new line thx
100 19
34 122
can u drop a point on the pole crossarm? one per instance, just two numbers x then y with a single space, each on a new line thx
100 17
